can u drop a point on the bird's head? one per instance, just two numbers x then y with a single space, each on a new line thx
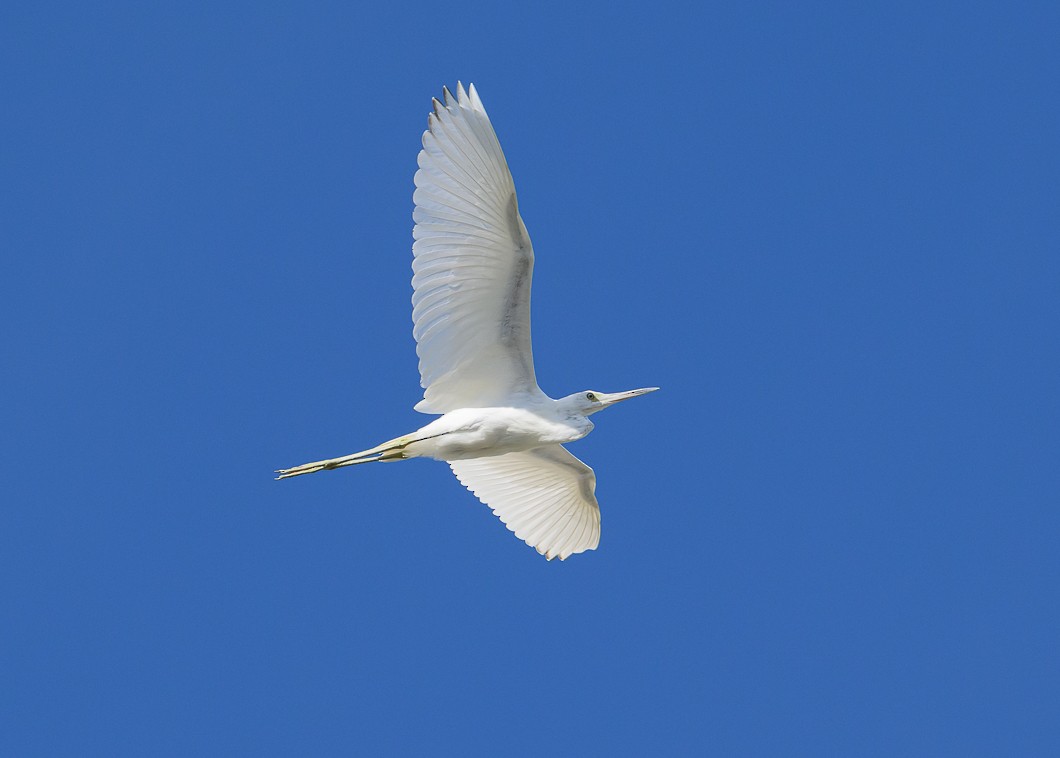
591 401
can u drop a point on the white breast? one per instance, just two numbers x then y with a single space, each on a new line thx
479 432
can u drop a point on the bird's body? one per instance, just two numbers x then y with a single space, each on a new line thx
482 432
474 433
473 263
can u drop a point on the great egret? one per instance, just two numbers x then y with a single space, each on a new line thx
501 435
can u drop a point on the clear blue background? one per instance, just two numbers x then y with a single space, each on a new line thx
829 234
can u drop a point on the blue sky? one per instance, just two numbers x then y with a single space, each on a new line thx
830 234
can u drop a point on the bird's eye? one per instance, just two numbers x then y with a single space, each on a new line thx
590 397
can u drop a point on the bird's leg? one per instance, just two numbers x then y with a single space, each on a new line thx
330 463
391 450
388 451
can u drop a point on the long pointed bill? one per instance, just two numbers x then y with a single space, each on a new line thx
617 397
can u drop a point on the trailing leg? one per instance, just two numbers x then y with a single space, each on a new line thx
388 451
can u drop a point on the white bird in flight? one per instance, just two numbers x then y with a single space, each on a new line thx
500 434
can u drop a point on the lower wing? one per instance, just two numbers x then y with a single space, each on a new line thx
546 496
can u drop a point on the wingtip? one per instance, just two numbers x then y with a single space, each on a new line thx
476 101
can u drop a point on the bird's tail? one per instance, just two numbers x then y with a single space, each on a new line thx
388 451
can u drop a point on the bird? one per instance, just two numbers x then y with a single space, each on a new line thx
501 435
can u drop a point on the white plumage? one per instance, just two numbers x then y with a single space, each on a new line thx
545 495
472 265
472 268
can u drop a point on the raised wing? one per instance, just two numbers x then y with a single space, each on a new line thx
546 496
472 265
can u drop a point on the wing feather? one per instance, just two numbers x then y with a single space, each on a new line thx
472 265
546 496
